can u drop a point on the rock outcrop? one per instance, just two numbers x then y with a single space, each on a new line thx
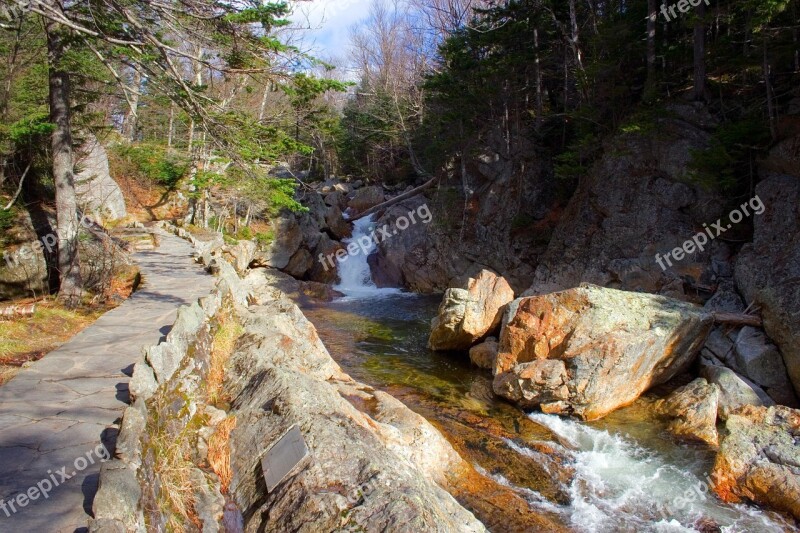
375 464
98 193
468 315
694 409
759 460
589 350
370 463
499 216
768 269
300 239
23 270
633 204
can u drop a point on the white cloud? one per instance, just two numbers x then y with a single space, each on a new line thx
329 22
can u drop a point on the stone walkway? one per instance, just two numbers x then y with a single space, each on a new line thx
54 414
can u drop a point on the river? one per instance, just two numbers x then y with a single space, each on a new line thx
622 473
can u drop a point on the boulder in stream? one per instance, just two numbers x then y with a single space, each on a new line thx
759 460
468 315
589 350
694 409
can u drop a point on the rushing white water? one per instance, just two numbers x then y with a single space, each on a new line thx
620 486
354 273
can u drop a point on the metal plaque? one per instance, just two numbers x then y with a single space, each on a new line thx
288 451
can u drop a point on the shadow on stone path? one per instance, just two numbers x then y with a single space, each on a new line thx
56 412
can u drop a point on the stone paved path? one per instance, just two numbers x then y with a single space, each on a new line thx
60 408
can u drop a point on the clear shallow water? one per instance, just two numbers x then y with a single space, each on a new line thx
622 473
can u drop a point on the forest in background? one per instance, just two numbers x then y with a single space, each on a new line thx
215 93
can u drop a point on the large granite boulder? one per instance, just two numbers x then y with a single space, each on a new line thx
468 315
759 460
97 191
768 269
589 350
23 269
366 198
372 465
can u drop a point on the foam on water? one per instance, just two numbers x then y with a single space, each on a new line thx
621 486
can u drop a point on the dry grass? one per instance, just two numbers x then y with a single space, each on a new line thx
30 338
228 331
219 453
176 490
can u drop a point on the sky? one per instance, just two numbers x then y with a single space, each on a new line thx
328 23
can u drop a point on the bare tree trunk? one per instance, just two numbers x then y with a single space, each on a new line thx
133 109
171 131
537 74
70 286
262 110
198 81
699 92
773 127
652 13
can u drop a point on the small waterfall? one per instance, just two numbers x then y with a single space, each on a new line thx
354 273
620 486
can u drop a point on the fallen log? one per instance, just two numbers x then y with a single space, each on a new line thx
395 200
737 319
17 311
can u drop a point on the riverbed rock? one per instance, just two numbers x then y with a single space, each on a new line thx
339 227
373 465
767 270
760 361
589 350
734 390
484 354
759 460
694 409
468 315
366 198
98 194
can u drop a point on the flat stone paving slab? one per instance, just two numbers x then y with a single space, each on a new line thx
54 414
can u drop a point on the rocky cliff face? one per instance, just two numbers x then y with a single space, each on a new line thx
633 204
768 269
503 225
